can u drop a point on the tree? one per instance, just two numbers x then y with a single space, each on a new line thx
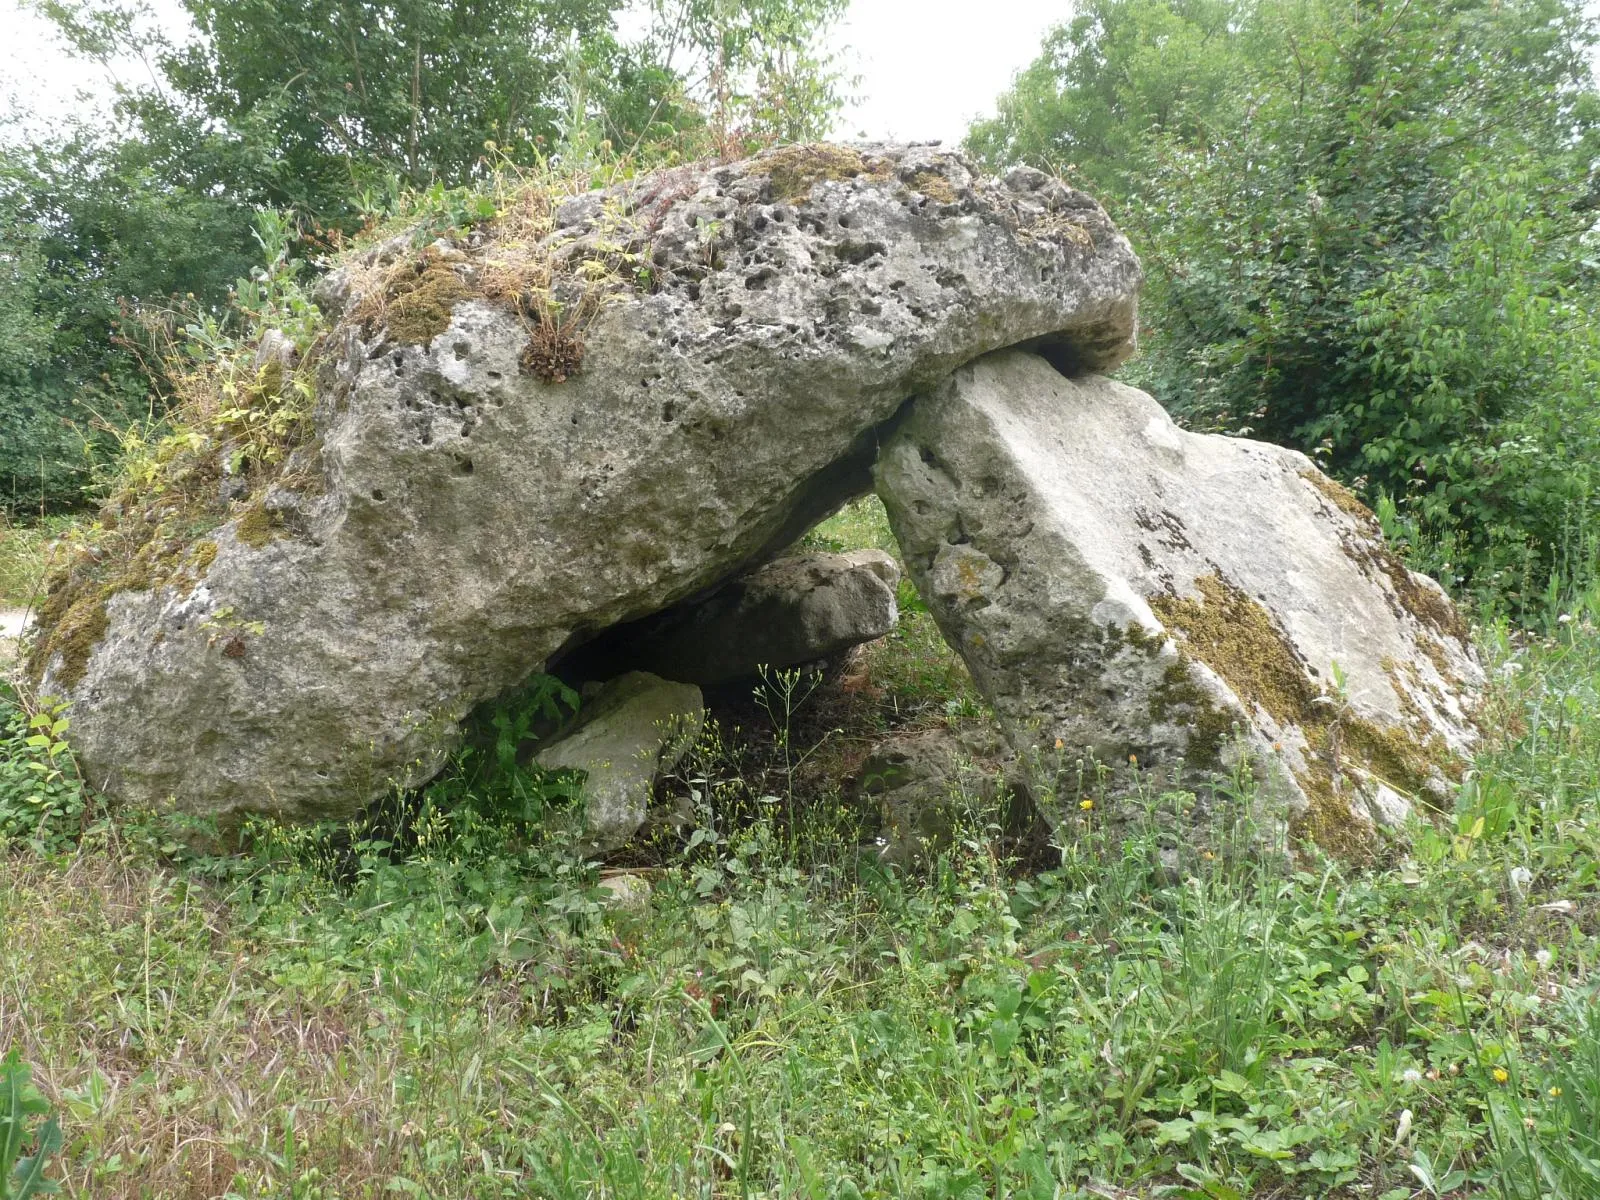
86 222
328 110
1364 242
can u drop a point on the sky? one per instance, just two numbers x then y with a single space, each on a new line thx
927 67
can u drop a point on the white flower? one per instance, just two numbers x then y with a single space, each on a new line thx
1411 1075
1521 877
1402 1128
1565 618
1543 958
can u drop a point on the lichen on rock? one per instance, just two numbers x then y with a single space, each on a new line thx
1137 594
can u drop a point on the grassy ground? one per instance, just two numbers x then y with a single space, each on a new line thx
441 1002
24 558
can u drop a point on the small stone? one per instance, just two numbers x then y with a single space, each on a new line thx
625 891
633 730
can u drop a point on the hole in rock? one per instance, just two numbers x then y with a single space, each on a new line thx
463 465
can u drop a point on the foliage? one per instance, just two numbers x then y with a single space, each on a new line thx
20 1102
42 801
754 67
83 225
1366 229
27 550
442 1000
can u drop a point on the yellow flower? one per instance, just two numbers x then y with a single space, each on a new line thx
1555 1093
1500 1074
1133 759
1086 805
1060 745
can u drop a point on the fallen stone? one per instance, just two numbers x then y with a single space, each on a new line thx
488 484
928 783
1127 592
792 611
625 891
634 729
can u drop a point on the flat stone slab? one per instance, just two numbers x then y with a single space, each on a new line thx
1125 592
631 730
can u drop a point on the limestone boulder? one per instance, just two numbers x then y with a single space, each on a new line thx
794 610
626 735
501 469
1132 595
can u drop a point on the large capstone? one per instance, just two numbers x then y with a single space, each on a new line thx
502 469
1125 592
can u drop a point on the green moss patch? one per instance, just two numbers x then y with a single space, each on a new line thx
795 170
257 527
415 299
1238 639
934 186
1340 497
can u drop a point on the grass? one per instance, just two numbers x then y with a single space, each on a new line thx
25 551
441 1000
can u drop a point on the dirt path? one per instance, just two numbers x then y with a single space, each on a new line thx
13 621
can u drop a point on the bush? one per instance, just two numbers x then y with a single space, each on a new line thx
1366 230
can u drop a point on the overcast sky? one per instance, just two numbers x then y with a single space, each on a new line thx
927 67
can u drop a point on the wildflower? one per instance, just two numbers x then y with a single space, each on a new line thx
1133 760
1060 745
1500 1074
1411 1075
1555 1093
1565 619
1402 1127
1277 747
1207 855
1543 958
1086 805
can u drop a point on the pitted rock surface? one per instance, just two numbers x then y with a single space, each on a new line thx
1122 589
465 520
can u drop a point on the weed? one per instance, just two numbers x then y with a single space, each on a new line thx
20 1103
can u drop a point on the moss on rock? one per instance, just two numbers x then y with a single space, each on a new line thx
1237 638
795 170
256 528
415 299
